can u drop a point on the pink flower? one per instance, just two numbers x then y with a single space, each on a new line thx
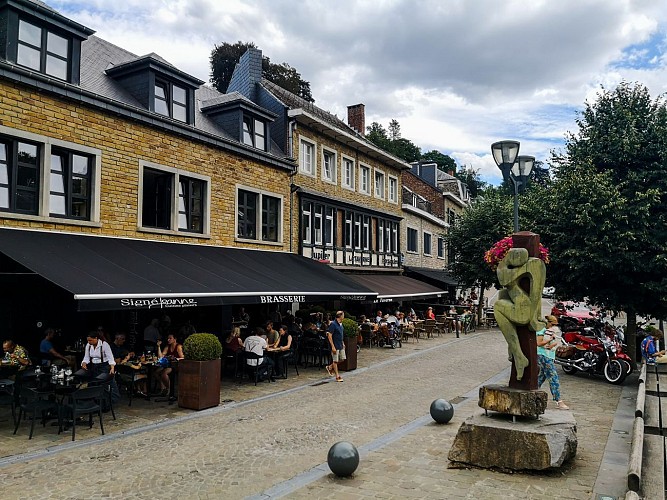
497 252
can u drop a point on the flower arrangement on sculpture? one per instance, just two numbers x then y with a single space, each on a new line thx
497 252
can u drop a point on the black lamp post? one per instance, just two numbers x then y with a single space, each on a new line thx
515 169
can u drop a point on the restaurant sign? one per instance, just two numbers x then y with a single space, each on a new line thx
158 302
268 299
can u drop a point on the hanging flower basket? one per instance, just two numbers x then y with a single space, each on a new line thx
497 252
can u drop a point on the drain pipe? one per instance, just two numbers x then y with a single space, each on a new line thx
292 187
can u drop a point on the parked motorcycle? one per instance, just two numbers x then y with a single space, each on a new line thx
591 354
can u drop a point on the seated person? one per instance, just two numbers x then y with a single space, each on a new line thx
454 321
233 341
412 315
173 350
257 345
284 345
649 348
271 335
378 317
48 353
429 313
404 324
120 352
15 355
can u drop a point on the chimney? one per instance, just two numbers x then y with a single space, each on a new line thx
356 118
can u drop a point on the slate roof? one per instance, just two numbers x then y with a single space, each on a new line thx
98 55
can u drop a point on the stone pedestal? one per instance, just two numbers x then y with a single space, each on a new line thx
495 441
511 401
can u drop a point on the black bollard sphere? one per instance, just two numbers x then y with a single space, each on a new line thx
343 459
442 411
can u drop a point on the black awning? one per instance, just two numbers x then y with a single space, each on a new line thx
107 273
394 287
435 277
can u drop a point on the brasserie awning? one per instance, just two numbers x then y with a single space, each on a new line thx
106 273
436 277
396 287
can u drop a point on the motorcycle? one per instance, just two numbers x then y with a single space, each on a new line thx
590 354
617 337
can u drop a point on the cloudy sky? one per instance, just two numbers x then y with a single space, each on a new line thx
456 74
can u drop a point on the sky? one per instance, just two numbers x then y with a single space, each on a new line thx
458 75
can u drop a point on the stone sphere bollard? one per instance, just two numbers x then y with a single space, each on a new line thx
343 459
442 411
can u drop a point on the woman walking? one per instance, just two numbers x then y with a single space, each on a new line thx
546 354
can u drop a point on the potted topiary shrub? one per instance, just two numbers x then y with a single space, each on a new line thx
350 334
199 372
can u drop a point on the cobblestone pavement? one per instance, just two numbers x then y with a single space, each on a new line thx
244 449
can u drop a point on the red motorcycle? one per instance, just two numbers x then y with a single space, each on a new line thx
591 354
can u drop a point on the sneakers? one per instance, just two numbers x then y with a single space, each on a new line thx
329 371
562 406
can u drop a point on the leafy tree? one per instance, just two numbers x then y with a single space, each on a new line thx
470 177
394 130
377 134
486 221
225 56
445 163
405 149
540 174
605 216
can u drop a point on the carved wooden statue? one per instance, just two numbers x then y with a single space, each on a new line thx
520 303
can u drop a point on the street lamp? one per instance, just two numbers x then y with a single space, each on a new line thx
515 169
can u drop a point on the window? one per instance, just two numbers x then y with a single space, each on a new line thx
380 236
171 100
305 224
329 166
172 200
394 237
191 198
157 191
317 224
441 247
393 189
256 210
19 176
379 184
358 222
348 173
329 227
254 133
427 244
348 230
307 160
42 50
70 181
364 179
366 235
451 217
412 240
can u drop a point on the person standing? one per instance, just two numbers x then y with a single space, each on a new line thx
335 337
546 354
98 358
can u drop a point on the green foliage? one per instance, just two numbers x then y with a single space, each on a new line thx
392 142
470 177
223 60
202 347
604 217
350 328
445 163
486 221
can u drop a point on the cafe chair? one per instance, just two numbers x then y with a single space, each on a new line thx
7 396
105 380
86 401
125 379
35 402
256 370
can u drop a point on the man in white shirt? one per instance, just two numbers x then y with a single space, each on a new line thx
98 357
257 345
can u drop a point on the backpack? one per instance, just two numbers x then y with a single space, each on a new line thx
644 348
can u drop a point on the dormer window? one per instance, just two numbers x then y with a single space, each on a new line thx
254 132
171 100
42 50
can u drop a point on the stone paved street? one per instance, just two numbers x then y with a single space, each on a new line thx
253 447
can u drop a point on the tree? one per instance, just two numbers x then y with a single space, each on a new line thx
471 178
486 221
377 134
540 174
604 217
392 142
445 163
394 130
225 56
405 149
